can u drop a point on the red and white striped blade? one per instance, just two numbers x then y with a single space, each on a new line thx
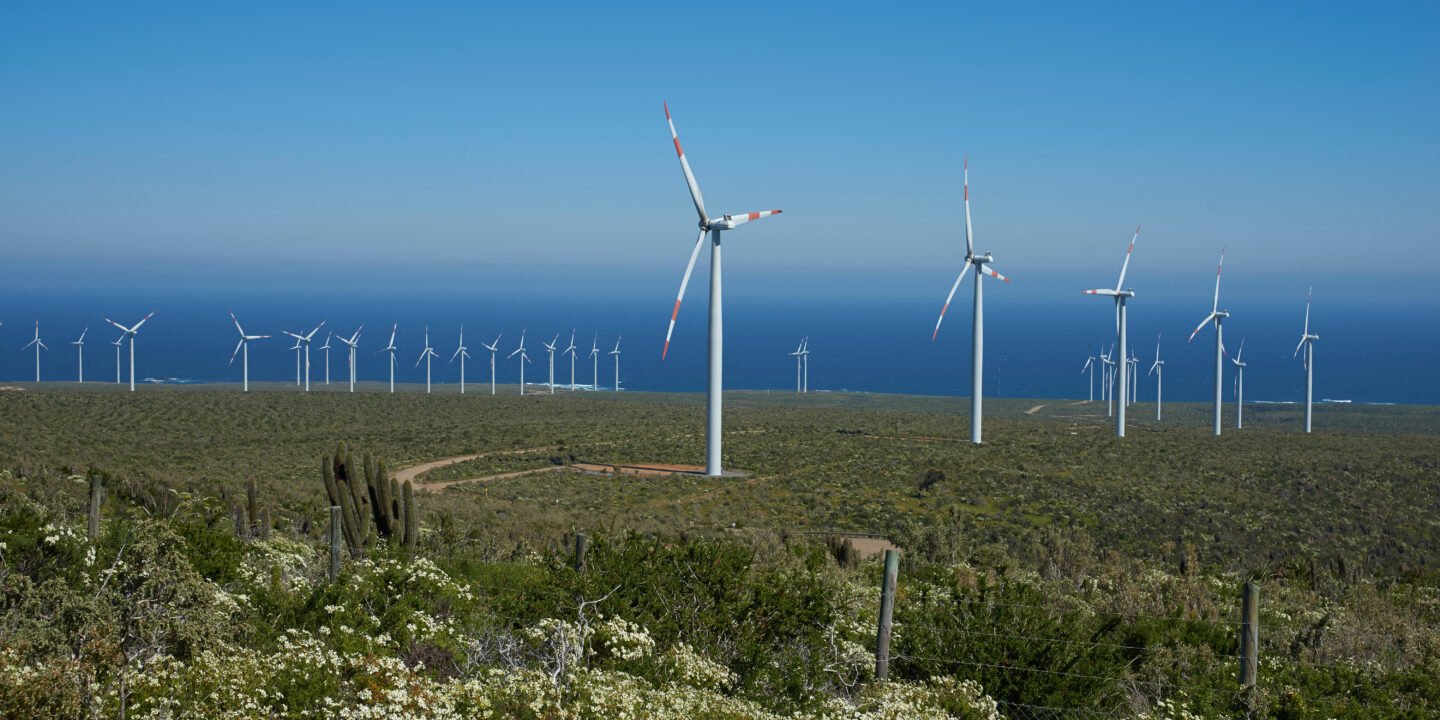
1101 291
1216 306
685 166
747 217
1308 293
142 321
1121 284
991 272
237 350
969 244
684 282
232 317
1201 326
965 270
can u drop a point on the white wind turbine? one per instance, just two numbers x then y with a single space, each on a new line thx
352 342
1158 370
425 355
118 343
80 349
550 348
1121 294
1090 366
1134 377
326 348
244 345
595 362
39 345
571 352
524 358
805 361
1108 382
1307 342
977 331
715 383
462 353
130 333
1216 315
797 355
303 341
1239 385
616 353
492 347
390 348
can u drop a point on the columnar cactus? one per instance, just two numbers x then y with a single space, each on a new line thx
381 500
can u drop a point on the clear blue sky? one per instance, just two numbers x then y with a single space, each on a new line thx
435 137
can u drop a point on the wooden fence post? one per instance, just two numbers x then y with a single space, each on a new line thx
1249 635
581 543
887 609
335 532
97 492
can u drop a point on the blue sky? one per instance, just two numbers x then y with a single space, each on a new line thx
516 145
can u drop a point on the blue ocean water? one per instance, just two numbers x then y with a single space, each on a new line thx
1035 347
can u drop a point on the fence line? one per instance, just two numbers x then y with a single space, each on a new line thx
1069 641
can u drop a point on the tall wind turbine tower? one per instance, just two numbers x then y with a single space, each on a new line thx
80 349
595 362
1121 294
571 352
492 348
1216 315
977 331
118 343
303 341
1307 343
425 355
39 345
352 343
1158 370
1090 366
130 333
798 356
524 358
714 228
1239 385
326 348
1108 382
616 353
244 346
550 348
461 353
805 361
390 348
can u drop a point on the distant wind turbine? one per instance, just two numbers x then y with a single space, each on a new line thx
977 330
390 348
1090 366
118 343
805 362
1216 315
352 342
550 348
1307 343
326 348
797 355
715 383
1121 294
130 333
80 349
39 345
1239 385
244 345
595 361
524 358
462 353
304 341
492 348
1158 370
1108 380
616 353
571 352
425 355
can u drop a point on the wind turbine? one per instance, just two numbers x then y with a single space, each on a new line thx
524 358
120 341
798 355
1108 380
390 348
805 357
595 361
304 340
1158 370
461 353
491 347
1216 315
425 355
1121 294
80 348
39 345
616 353
1134 377
1239 386
352 342
977 330
1307 342
1090 366
326 348
550 348
714 227
130 333
244 345
571 352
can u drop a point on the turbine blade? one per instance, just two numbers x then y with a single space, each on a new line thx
1214 308
1297 347
1101 291
991 272
684 282
1308 293
1201 326
1120 285
969 244
237 351
964 270
142 322
685 166
738 220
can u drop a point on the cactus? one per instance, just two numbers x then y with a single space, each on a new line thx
412 520
252 506
378 510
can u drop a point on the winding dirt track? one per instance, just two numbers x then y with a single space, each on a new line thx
417 472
